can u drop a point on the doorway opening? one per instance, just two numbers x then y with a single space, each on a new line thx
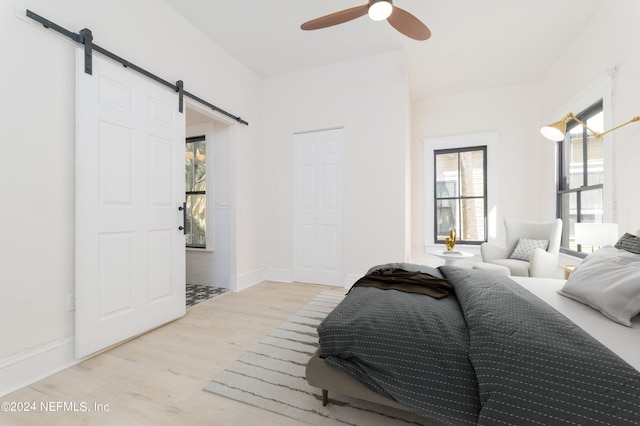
209 204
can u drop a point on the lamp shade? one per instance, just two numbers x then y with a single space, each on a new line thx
555 131
379 10
596 234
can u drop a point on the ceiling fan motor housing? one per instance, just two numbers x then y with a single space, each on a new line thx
380 10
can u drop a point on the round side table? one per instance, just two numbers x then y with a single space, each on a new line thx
451 257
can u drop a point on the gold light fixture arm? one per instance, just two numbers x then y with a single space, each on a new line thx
637 118
556 130
596 134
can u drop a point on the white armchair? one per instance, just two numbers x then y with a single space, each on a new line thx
542 263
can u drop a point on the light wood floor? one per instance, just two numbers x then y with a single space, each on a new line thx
157 378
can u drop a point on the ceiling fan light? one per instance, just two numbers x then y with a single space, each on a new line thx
379 10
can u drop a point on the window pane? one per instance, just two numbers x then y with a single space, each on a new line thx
596 122
472 173
447 175
472 220
591 211
196 220
595 152
592 206
446 216
445 189
196 170
569 209
189 157
574 170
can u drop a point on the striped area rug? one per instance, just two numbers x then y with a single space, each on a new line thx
272 376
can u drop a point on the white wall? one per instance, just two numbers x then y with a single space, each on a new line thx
38 155
513 112
607 42
367 97
527 164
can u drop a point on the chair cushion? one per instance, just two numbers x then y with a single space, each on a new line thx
500 269
525 248
518 268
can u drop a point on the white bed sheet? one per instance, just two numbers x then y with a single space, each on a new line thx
624 341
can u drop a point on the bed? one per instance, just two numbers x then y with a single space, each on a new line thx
498 350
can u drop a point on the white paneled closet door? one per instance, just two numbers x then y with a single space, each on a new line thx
318 201
130 252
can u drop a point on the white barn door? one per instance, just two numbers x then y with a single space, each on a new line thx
318 201
130 254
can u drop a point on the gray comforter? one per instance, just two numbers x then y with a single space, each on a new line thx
491 354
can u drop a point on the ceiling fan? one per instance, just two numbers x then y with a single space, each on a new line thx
378 10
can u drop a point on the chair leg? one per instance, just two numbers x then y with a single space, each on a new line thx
325 397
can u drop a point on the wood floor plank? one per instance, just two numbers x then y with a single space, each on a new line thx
157 378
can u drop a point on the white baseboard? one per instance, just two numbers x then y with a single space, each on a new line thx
29 366
248 279
279 275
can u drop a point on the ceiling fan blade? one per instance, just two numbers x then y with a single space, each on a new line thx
408 24
336 18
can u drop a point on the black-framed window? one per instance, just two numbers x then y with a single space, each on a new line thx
196 192
461 194
580 186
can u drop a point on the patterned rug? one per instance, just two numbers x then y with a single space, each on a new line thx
272 376
199 293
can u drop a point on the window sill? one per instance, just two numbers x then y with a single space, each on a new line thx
200 250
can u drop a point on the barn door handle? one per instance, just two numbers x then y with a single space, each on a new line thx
183 209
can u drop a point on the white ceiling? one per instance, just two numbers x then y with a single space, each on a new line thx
476 44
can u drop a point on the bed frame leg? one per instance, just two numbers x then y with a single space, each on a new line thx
325 397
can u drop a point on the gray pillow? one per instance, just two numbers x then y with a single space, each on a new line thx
629 242
525 248
607 280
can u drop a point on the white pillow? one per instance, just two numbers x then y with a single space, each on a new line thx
607 280
525 248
